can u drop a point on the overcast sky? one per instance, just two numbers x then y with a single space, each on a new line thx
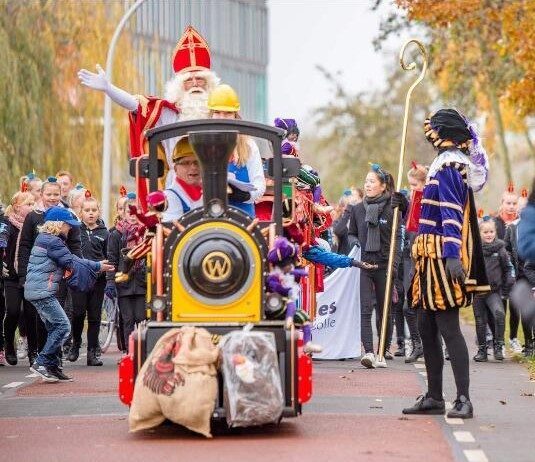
336 34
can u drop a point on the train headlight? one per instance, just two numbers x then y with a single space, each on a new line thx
274 303
158 304
215 208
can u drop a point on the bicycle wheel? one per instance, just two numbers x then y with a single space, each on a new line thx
107 325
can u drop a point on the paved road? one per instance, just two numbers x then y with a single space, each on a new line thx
355 415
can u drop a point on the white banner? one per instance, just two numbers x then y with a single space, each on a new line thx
337 324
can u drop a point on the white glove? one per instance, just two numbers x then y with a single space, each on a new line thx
101 82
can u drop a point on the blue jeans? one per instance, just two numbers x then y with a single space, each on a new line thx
58 328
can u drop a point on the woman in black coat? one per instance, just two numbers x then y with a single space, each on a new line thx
371 224
130 289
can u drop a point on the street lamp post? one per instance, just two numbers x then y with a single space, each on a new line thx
106 148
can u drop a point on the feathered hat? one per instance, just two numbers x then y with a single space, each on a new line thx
283 251
290 125
191 52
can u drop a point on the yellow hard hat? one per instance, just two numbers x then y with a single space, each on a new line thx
223 98
182 149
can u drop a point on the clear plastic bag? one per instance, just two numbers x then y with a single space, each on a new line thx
251 377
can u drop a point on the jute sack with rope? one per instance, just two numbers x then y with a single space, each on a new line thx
177 382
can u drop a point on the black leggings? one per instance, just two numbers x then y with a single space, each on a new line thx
514 320
432 325
132 308
90 302
492 302
408 311
372 289
398 315
15 302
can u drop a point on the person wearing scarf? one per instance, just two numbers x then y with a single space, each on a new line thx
21 204
371 224
508 211
449 264
130 291
185 193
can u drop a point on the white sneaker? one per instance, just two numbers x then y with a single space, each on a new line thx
368 361
515 345
22 348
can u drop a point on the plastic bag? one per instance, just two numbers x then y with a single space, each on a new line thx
252 383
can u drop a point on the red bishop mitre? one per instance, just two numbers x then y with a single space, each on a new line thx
191 52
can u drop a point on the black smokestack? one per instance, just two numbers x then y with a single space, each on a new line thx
213 149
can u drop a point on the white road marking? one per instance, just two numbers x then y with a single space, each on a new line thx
475 455
454 421
421 360
13 384
31 376
464 437
423 373
419 366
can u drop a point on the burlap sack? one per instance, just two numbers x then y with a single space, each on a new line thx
177 382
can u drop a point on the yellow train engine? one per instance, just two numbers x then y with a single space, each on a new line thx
208 269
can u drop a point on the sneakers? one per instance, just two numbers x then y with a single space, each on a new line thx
56 372
426 405
2 358
514 344
22 347
368 361
388 355
44 372
462 409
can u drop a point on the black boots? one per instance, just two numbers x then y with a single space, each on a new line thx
426 405
92 358
462 409
529 349
498 350
11 354
401 347
416 353
481 355
74 352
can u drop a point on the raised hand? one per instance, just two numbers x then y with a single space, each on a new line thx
98 81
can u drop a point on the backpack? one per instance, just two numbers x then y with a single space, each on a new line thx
82 277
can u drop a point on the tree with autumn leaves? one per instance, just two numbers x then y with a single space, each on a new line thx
48 121
483 59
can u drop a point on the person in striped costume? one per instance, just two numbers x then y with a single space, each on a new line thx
449 264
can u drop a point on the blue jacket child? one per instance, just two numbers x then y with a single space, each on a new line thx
49 259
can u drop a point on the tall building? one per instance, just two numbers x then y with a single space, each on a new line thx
236 31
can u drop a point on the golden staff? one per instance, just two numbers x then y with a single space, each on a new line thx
388 292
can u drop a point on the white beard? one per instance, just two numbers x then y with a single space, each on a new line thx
194 105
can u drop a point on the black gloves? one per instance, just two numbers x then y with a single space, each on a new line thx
237 195
454 270
400 201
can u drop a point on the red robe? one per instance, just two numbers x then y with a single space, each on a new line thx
145 117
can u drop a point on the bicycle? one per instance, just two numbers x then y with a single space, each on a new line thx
110 324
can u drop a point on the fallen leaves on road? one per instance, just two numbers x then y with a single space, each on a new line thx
526 393
502 401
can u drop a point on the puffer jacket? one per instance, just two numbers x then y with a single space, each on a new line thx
49 258
498 266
